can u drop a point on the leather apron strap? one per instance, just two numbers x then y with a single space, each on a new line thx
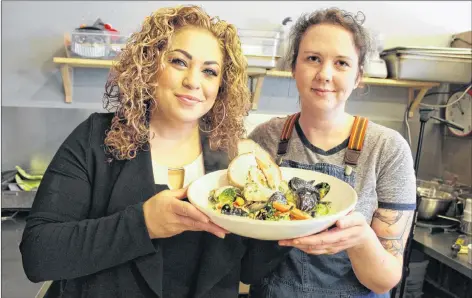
354 148
285 137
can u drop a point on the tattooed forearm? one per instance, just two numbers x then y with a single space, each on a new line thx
389 217
393 246
394 238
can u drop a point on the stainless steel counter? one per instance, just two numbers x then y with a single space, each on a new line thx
438 246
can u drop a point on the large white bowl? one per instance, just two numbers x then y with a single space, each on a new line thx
341 194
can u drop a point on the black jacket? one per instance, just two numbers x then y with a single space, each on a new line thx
86 229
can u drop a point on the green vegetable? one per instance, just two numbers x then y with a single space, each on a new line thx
322 209
227 196
26 175
27 185
288 193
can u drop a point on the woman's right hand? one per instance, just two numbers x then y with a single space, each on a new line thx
166 215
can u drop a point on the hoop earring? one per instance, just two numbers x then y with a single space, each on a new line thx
367 91
219 124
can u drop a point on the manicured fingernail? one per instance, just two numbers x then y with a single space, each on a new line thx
221 235
296 242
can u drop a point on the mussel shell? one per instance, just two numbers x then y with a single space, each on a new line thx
253 207
262 215
238 212
296 183
307 200
278 197
323 189
228 210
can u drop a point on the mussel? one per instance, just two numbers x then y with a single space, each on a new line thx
323 189
306 200
297 183
265 213
239 212
278 197
255 206
228 210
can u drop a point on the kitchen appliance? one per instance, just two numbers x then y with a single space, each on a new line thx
438 225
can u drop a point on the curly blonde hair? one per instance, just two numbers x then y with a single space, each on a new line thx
130 88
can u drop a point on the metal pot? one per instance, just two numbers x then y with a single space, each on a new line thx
429 208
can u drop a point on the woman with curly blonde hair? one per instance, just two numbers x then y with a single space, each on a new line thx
110 218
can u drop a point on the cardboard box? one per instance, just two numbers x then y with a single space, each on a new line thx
462 40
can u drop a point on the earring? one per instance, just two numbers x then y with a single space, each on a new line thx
219 124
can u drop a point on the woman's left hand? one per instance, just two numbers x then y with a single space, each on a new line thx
350 231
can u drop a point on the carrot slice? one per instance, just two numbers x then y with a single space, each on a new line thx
281 207
297 214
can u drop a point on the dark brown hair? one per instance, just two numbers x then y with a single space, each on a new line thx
132 83
335 16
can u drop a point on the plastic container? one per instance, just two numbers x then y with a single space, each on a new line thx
96 43
259 42
375 68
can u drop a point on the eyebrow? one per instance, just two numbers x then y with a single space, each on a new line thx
187 54
317 53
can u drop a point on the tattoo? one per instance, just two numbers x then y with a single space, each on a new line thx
389 217
396 244
393 246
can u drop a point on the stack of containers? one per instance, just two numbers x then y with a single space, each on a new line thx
434 64
261 47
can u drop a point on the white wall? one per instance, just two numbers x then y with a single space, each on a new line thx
415 23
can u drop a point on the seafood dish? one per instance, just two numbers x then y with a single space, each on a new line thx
256 190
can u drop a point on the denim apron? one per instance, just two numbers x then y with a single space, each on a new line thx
325 276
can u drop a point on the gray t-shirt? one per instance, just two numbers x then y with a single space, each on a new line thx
383 178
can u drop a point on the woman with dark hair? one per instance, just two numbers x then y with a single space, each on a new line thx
110 218
362 255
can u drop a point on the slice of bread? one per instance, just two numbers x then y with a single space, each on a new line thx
238 169
262 158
